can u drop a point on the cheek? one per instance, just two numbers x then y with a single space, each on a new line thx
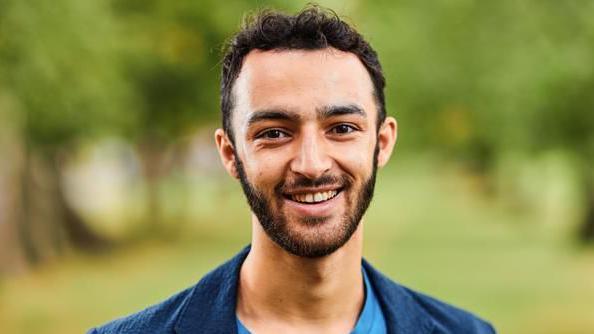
263 172
358 160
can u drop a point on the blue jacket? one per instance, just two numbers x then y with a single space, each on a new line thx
209 307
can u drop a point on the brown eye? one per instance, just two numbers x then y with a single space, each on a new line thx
272 134
343 129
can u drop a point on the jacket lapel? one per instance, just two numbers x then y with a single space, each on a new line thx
403 314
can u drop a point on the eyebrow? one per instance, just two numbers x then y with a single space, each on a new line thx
288 115
341 110
272 114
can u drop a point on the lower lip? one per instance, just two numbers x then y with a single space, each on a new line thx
320 209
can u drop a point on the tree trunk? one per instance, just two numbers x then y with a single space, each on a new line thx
12 256
49 226
586 230
78 234
40 234
152 154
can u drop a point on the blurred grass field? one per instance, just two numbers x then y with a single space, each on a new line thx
427 228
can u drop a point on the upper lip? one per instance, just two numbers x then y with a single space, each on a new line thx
299 191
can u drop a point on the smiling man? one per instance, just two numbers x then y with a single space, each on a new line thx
304 131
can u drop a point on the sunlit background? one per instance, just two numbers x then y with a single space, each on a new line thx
112 196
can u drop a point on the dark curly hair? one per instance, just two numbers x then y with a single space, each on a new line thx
313 28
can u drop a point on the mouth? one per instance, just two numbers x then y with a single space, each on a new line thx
313 197
312 202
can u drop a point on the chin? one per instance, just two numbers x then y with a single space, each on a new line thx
313 237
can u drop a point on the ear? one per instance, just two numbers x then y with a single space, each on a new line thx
386 140
226 152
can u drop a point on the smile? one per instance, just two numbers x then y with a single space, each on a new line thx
313 202
314 197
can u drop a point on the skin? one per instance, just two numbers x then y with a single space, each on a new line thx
279 291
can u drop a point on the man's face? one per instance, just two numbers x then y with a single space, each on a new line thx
306 145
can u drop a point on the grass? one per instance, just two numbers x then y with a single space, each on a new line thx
427 229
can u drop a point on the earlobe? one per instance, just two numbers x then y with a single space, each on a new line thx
386 140
226 152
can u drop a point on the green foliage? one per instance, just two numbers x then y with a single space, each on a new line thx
138 68
507 75
59 60
465 77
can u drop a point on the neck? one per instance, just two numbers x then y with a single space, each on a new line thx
279 287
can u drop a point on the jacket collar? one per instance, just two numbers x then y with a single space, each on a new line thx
402 312
210 307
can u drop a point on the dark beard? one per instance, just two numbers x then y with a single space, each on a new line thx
276 227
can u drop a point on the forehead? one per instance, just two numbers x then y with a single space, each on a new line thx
301 80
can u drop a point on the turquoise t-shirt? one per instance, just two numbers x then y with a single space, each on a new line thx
371 320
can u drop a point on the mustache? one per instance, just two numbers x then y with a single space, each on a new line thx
304 182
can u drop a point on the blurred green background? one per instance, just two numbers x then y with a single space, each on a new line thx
112 196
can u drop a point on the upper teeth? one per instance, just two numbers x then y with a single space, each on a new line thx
314 197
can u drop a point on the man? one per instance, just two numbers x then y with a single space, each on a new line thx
304 131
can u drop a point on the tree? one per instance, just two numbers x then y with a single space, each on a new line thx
57 64
479 80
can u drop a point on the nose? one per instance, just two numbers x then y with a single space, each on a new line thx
311 159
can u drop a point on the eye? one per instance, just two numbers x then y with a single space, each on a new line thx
272 134
343 129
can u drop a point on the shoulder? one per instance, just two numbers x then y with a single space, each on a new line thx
159 318
448 318
407 308
210 302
